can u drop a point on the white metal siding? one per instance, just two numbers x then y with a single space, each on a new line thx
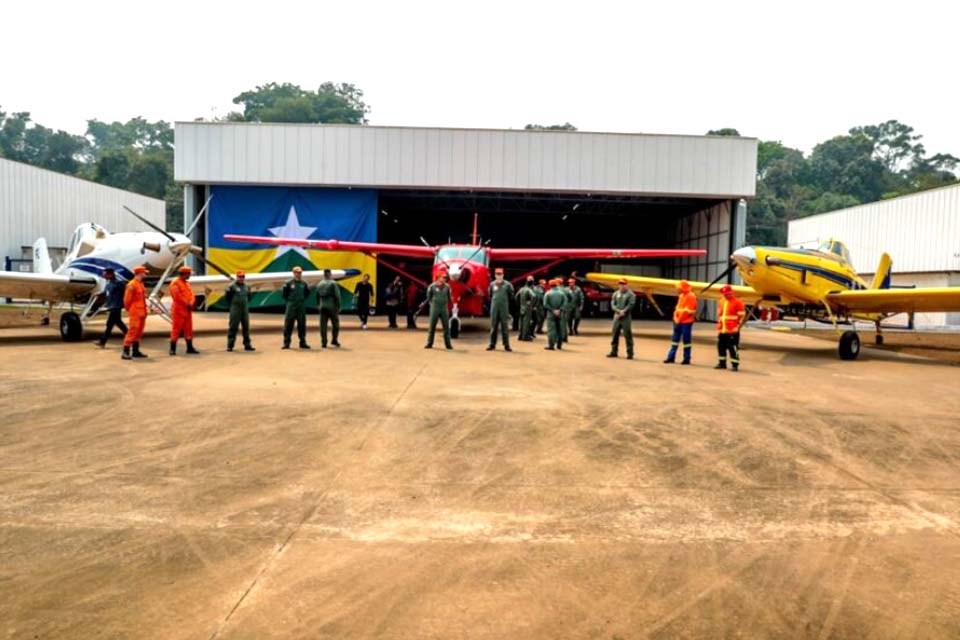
39 203
353 155
921 231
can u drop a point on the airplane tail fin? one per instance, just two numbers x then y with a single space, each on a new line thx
41 257
882 279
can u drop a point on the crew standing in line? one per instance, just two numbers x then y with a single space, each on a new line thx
135 302
501 294
113 294
238 300
553 303
438 297
328 297
527 298
622 304
362 297
541 316
295 292
577 307
182 311
567 309
683 318
412 307
393 300
731 313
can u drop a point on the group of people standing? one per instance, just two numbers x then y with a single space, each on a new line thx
541 303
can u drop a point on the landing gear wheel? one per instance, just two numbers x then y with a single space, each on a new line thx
71 329
849 345
454 327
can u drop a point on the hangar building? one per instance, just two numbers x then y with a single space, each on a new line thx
37 203
920 231
401 184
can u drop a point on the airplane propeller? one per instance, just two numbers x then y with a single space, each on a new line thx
726 272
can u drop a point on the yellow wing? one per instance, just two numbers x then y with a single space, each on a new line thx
897 300
666 287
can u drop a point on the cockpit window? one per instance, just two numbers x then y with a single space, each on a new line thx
464 252
449 253
837 248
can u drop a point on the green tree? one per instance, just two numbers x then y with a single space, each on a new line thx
727 131
566 126
846 165
330 103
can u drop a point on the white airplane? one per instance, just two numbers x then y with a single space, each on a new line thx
79 280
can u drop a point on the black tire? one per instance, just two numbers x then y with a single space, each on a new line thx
71 329
849 345
454 327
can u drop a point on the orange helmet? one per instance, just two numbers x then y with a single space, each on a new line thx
139 269
622 281
186 269
684 287
726 290
241 274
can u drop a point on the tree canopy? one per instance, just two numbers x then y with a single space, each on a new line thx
330 103
566 126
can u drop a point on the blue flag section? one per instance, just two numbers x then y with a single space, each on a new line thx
291 212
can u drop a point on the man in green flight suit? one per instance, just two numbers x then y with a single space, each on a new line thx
438 297
553 302
328 298
622 305
527 298
541 315
577 308
501 294
295 292
238 299
566 311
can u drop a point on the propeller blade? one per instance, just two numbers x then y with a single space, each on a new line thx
726 272
196 220
150 224
209 262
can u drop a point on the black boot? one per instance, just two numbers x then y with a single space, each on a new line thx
248 347
490 347
126 353
173 348
136 351
190 348
612 354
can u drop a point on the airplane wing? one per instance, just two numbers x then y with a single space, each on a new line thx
271 280
48 287
897 300
407 250
667 287
575 254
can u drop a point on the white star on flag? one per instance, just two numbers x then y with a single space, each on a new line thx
292 229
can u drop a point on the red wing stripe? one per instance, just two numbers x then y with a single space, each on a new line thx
535 254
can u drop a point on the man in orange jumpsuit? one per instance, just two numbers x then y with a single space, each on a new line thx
730 314
684 316
135 302
182 311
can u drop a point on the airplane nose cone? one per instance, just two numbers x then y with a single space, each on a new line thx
454 273
745 256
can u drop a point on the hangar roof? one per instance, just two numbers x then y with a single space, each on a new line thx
920 231
482 159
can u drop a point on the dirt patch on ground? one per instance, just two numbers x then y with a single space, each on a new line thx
941 346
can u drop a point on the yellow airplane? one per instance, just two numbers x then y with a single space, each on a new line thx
817 284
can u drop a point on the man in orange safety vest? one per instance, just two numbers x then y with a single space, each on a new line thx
730 316
684 316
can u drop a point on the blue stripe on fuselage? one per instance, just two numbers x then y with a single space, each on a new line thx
97 265
824 273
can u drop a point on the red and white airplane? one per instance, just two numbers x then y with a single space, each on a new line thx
467 265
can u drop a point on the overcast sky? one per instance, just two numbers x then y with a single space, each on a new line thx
798 72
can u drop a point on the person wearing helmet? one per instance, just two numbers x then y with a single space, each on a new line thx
684 316
135 302
501 294
622 303
295 292
553 303
438 297
731 313
238 299
181 311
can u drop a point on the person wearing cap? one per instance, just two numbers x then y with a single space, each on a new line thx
238 299
393 300
501 294
181 312
438 297
135 302
362 297
567 309
684 316
576 308
553 303
622 304
527 298
541 315
113 302
731 313
295 292
328 297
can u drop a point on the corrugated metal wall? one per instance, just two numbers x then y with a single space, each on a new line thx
39 203
352 155
921 232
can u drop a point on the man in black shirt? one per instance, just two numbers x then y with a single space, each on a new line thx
393 300
362 296
113 301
